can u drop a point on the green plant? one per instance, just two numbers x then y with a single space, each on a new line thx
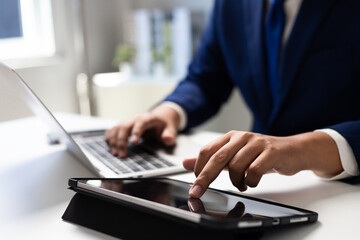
123 54
164 54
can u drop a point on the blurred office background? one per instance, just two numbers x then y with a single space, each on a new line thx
112 58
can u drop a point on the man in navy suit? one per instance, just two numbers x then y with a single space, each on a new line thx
297 65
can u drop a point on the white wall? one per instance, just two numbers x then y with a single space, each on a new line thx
53 78
102 33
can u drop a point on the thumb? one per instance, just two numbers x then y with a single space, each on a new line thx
168 135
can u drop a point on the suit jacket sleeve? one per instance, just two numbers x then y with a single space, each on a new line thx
207 84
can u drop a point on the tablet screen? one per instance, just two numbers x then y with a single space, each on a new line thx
213 203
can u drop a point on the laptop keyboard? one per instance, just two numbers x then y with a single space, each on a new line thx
139 159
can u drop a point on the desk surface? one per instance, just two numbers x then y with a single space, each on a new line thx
33 180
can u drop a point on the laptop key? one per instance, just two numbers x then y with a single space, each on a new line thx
139 158
166 162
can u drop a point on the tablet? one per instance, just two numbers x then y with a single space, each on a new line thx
216 209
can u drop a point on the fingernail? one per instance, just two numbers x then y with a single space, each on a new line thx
114 151
133 138
121 154
196 191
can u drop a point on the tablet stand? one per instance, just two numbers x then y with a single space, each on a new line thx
125 223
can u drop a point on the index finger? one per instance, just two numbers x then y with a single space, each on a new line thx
207 152
206 176
217 162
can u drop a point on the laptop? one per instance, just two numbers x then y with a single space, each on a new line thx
90 148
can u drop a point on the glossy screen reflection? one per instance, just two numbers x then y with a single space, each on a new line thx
212 203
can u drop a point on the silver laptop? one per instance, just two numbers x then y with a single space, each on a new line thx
91 149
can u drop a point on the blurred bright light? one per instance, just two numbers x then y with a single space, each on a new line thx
30 34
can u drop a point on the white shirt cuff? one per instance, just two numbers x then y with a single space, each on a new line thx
347 157
180 111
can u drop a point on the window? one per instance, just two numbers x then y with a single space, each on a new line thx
26 29
10 19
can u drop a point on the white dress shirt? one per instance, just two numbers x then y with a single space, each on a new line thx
347 157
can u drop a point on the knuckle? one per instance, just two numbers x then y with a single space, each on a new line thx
138 116
247 135
120 141
112 142
232 132
127 125
147 117
155 117
205 151
219 157
143 121
271 150
259 141
233 167
140 122
120 125
111 139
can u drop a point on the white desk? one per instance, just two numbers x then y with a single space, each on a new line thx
34 195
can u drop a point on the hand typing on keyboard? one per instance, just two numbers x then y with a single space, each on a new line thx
161 123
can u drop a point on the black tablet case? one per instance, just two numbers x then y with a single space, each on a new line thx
125 223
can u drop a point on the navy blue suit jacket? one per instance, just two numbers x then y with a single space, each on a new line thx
319 69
